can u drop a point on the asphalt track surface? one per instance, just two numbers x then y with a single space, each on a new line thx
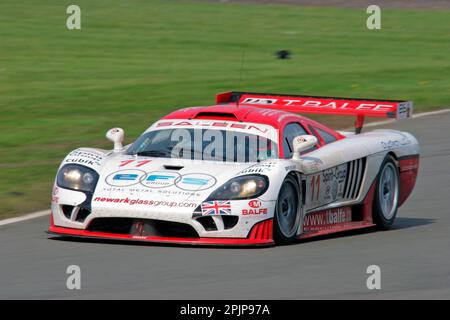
414 256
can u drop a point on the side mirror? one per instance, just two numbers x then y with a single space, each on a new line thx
301 144
116 135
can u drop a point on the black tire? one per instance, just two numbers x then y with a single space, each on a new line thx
385 201
286 219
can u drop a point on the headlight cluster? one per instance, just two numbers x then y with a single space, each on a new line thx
76 177
240 188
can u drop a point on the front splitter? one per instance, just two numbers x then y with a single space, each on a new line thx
252 240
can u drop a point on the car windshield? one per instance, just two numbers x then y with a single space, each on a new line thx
204 144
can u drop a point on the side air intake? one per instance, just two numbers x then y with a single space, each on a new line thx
355 174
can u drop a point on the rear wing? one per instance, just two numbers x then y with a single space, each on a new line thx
360 108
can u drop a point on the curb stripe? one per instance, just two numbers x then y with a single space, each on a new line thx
29 216
414 116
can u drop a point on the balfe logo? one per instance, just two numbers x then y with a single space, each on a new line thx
327 104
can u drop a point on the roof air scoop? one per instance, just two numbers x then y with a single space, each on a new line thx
216 115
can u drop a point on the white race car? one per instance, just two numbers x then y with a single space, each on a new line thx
245 171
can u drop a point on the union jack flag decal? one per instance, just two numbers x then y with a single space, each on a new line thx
210 208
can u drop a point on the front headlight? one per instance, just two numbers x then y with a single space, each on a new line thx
240 188
77 177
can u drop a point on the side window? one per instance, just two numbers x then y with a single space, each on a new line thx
291 131
326 137
314 133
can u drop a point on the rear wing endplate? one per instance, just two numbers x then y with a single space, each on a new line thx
360 108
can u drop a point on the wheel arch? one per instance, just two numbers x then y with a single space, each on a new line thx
394 155
297 175
279 237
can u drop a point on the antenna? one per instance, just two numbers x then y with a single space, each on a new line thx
240 75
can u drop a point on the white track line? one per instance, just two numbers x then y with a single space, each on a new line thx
38 214
414 116
25 217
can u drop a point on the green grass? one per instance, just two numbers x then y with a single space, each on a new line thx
134 61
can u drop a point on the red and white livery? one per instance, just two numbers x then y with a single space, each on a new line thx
248 170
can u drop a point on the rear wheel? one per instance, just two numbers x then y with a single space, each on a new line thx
385 202
286 219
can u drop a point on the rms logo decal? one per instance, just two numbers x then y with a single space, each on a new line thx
255 203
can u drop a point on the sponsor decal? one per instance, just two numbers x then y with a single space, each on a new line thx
410 167
259 101
326 186
84 157
404 110
301 139
259 168
55 198
222 124
168 193
161 191
139 237
395 143
334 190
82 161
258 211
159 179
290 168
253 170
334 174
409 164
255 208
195 181
254 203
211 208
327 104
153 203
327 219
331 191
311 163
124 178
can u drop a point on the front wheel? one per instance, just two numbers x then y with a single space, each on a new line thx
286 220
385 203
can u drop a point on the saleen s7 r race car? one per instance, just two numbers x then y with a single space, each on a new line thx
245 171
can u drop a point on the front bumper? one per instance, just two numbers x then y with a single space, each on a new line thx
260 235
